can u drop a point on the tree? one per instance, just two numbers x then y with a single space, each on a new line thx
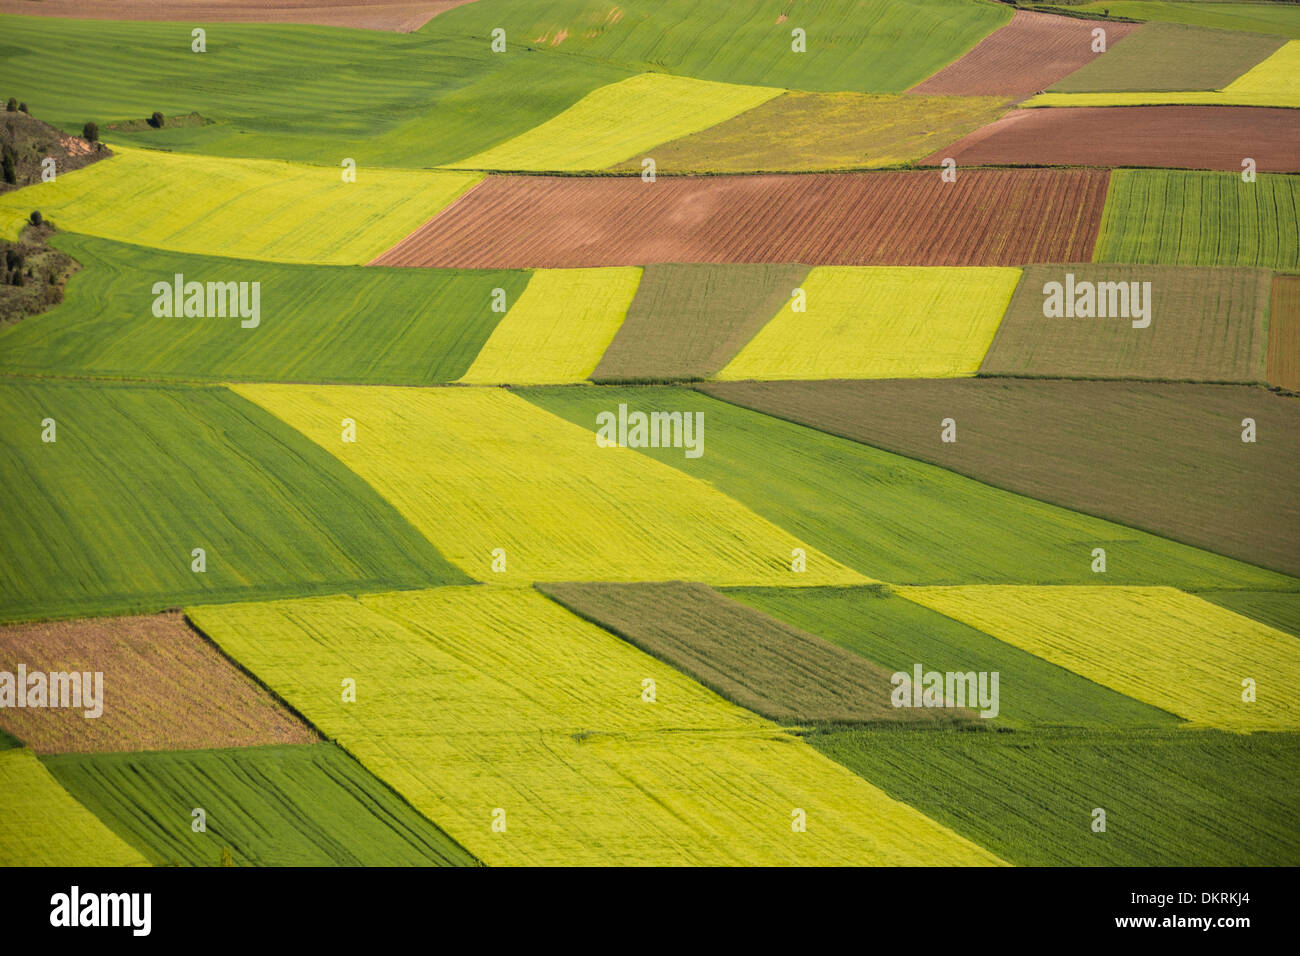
90 132
11 106
36 218
156 120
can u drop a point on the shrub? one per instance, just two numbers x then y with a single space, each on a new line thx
156 120
22 108
90 132
11 106
10 174
36 217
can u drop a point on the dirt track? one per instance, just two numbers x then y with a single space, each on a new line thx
886 218
1174 137
401 16
1026 56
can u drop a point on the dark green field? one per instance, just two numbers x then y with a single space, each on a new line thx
776 670
897 634
1206 325
303 805
688 321
1167 458
1172 798
141 475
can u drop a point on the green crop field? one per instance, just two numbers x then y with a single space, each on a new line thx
1202 325
1267 17
140 476
1173 798
820 131
1165 56
303 805
1182 446
620 121
340 324
41 824
249 209
689 320
310 94
469 704
751 659
1186 218
899 520
873 46
881 322
898 634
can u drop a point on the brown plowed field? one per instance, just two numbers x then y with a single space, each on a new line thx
1026 56
164 687
988 217
1283 364
1173 137
402 16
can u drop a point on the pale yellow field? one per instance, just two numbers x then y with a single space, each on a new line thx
881 322
479 698
1274 82
41 824
1158 645
619 121
243 208
558 330
480 469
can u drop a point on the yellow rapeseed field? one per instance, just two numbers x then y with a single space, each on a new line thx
1158 645
558 330
526 734
493 480
41 824
243 208
620 120
881 322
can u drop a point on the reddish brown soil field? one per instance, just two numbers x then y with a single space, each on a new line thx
1284 334
402 16
164 688
1173 137
987 217
1025 57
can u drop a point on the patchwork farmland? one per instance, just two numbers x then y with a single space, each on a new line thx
665 433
